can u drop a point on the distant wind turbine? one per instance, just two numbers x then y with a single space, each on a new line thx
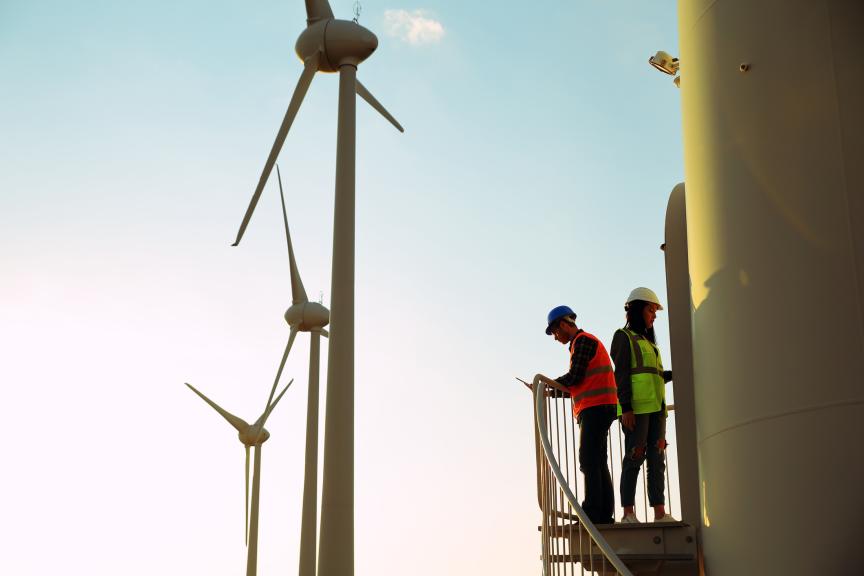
250 435
330 45
312 317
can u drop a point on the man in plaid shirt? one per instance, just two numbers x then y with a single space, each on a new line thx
591 384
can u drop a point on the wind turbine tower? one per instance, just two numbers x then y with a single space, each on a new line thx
312 317
331 45
772 97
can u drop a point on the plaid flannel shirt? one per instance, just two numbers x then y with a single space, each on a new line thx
583 351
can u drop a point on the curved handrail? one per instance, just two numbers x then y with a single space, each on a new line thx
538 385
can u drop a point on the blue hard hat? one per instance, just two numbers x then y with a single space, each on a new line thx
556 314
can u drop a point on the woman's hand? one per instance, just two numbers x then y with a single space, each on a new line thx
628 420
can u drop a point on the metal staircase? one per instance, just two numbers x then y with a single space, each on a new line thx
570 543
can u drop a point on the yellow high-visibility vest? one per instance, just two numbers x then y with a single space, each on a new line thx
646 374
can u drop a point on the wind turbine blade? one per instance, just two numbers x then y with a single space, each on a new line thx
238 423
270 408
246 496
310 67
366 95
281 366
317 10
325 333
298 293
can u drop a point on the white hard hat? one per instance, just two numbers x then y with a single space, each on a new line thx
645 294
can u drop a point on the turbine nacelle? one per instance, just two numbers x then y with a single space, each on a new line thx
255 435
307 316
339 42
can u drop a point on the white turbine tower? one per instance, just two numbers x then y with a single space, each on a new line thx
312 317
330 45
250 435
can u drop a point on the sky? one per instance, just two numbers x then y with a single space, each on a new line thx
538 155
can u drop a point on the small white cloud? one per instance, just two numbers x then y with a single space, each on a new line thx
414 27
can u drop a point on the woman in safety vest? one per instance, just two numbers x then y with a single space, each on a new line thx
591 384
641 383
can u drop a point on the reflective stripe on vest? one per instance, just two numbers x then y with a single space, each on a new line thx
595 392
646 374
598 386
598 370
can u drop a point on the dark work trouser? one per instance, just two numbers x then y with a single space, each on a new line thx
599 501
647 440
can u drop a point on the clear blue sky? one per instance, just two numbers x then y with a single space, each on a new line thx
539 152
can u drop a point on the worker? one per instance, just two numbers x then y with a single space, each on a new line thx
592 391
641 383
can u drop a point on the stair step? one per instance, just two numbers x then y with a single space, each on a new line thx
627 558
639 564
565 530
644 547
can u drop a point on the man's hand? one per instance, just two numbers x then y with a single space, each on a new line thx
628 420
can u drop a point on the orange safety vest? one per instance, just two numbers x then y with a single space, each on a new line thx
598 387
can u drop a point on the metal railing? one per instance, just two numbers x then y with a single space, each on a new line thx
571 543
